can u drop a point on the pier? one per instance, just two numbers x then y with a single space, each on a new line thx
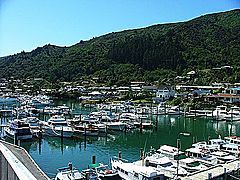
15 163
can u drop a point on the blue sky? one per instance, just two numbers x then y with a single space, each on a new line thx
28 24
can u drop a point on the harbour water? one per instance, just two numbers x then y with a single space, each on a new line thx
51 153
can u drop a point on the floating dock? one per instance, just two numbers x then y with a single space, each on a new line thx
16 163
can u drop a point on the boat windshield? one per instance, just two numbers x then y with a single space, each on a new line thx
193 164
167 164
180 156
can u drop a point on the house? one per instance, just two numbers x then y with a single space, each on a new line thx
230 95
164 93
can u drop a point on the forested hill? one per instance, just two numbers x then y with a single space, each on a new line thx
149 53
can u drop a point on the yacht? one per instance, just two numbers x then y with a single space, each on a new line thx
164 164
202 155
18 128
135 172
58 126
219 113
223 157
232 140
69 173
174 110
212 145
103 172
233 114
177 156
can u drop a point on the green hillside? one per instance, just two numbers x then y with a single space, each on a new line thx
154 53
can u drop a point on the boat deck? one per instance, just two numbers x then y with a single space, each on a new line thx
216 171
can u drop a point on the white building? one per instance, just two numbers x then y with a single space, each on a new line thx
165 93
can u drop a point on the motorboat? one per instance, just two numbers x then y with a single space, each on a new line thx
58 126
177 156
223 157
202 155
164 164
69 173
233 114
18 129
103 172
85 129
135 172
192 165
232 140
174 110
219 113
212 145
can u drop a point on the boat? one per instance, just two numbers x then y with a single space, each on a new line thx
135 172
202 155
19 129
219 113
173 153
164 164
231 148
69 173
174 110
233 114
85 129
103 172
58 126
212 145
223 157
232 140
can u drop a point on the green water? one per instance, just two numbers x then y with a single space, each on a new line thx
51 154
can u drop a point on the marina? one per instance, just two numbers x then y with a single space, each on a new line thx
53 151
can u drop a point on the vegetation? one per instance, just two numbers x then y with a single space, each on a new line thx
156 53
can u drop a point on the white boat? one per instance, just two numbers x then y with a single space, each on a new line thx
115 126
18 128
190 164
132 171
202 155
174 110
232 140
219 113
233 114
85 129
103 172
69 173
164 164
223 157
58 126
212 145
231 148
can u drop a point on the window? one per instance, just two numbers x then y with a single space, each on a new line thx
135 174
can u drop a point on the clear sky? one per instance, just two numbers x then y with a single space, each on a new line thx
27 24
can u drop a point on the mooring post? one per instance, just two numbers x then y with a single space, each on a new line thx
93 159
120 155
15 139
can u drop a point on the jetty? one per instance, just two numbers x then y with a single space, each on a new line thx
16 163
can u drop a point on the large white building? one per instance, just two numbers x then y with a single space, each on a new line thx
165 93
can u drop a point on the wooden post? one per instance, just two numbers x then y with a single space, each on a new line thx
141 125
120 155
156 123
62 134
15 139
93 159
